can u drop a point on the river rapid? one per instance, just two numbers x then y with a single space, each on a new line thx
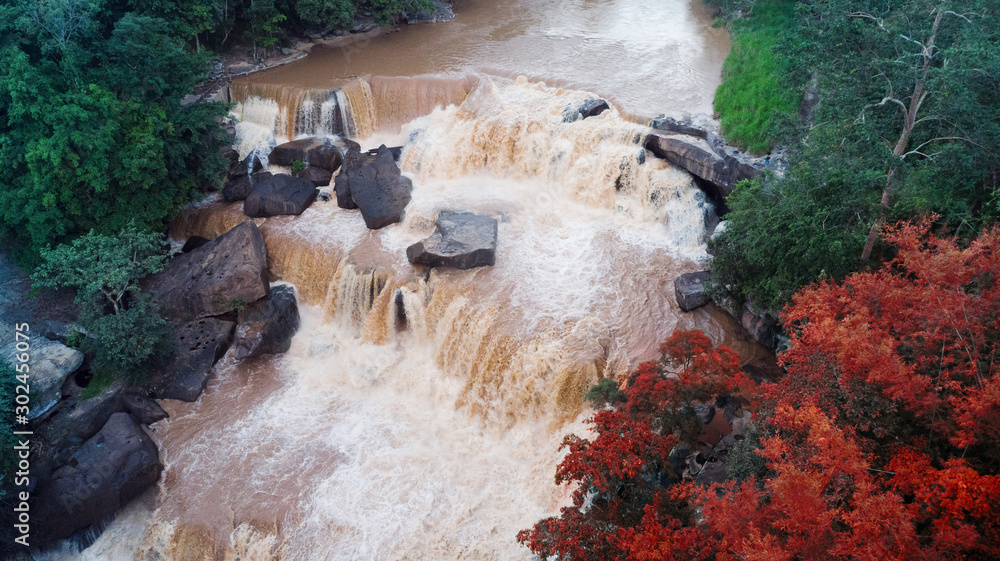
418 415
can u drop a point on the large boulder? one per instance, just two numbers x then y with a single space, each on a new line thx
295 150
587 108
326 156
698 157
216 278
689 289
250 164
143 410
108 471
239 188
320 152
266 327
374 184
463 240
50 364
317 176
762 326
198 345
279 194
72 422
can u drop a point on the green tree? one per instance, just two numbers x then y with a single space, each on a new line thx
334 13
122 325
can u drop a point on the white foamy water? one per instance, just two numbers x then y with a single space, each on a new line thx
433 438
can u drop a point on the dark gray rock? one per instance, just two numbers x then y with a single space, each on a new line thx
193 243
697 157
108 471
51 362
317 176
588 108
216 278
761 326
239 188
296 150
198 345
463 240
376 186
250 164
278 195
143 410
73 421
678 126
327 157
266 327
689 289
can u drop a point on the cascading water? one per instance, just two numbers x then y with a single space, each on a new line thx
418 415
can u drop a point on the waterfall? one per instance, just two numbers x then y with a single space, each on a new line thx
418 414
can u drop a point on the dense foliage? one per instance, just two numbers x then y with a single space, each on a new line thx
122 326
880 443
907 123
93 131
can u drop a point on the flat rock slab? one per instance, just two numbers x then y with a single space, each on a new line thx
108 471
280 195
216 278
50 363
266 327
198 345
698 157
463 240
689 289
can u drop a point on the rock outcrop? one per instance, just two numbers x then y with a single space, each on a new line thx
216 278
439 12
109 470
279 194
198 345
267 325
689 289
51 363
374 184
463 240
249 165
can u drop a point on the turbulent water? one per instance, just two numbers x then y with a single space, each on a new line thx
418 415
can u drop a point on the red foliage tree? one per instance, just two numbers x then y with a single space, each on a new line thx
620 509
907 357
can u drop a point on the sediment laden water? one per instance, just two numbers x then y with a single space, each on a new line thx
418 415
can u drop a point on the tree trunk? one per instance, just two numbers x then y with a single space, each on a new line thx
909 121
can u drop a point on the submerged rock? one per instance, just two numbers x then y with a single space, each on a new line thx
198 345
278 195
463 240
266 327
216 278
51 363
689 289
108 471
